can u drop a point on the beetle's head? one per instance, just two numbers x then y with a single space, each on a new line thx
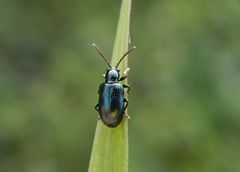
112 75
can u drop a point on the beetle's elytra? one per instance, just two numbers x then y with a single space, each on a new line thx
112 103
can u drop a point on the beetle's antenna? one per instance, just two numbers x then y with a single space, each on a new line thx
98 50
124 55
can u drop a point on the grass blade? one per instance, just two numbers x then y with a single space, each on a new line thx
110 147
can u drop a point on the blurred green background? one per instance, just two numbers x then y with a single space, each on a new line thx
185 78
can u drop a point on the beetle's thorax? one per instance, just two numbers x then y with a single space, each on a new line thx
112 75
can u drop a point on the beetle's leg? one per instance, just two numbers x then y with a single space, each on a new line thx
127 86
125 74
123 77
126 101
97 107
127 116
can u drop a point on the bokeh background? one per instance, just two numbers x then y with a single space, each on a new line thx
185 78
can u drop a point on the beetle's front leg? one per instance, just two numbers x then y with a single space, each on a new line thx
125 74
127 86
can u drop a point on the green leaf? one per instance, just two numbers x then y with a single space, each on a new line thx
110 147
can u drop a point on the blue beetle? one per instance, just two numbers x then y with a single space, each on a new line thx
112 103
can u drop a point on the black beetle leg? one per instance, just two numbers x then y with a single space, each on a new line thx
97 107
127 86
126 101
123 77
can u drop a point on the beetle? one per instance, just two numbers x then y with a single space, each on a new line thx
112 103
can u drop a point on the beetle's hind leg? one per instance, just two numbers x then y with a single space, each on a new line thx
97 109
126 101
127 86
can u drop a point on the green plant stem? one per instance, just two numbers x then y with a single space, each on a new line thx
110 147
